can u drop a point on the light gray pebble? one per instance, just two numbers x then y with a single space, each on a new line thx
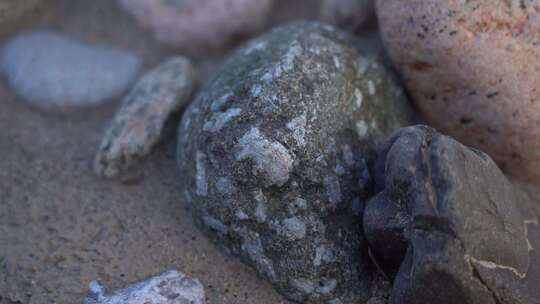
171 287
53 71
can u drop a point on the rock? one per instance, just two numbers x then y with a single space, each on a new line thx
472 68
350 15
13 10
171 287
139 123
271 151
51 71
457 215
200 25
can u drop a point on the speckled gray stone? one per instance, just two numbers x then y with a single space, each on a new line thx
53 71
271 151
350 15
451 218
13 10
171 287
139 123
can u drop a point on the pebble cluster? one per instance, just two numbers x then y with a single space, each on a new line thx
302 155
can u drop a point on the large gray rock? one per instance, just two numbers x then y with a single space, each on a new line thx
271 152
451 218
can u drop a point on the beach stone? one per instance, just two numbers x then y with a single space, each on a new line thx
472 68
171 287
272 150
13 10
200 25
55 72
350 15
451 218
139 123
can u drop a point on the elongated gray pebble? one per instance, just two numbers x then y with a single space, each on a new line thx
171 287
53 71
138 124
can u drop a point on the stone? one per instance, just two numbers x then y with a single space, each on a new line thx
200 25
271 152
140 121
350 15
13 10
54 72
451 219
171 287
472 68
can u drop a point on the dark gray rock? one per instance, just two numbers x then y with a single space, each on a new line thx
52 71
171 287
271 151
139 123
350 15
450 218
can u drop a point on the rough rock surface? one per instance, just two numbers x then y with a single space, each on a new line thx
472 68
272 150
196 25
350 15
451 218
139 123
171 287
11 10
52 71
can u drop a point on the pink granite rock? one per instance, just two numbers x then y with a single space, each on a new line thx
200 25
473 69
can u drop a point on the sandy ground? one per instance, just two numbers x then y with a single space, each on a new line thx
61 226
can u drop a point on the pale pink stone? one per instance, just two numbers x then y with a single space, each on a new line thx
200 25
473 69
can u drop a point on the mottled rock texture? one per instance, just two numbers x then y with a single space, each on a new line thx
55 72
12 10
171 287
272 150
473 68
200 25
350 15
450 217
139 123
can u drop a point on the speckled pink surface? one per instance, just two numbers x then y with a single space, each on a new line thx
198 24
473 69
